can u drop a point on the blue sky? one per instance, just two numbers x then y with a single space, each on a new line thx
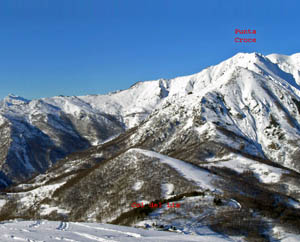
78 47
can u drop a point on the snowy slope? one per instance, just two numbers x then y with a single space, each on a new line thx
289 64
47 231
201 177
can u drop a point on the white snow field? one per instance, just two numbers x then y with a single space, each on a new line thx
43 230
198 175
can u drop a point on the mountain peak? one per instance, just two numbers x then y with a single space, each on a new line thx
12 99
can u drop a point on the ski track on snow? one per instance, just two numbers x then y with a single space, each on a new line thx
44 231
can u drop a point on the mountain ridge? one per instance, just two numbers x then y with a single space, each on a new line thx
92 119
222 142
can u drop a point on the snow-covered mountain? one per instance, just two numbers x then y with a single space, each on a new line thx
35 134
222 142
247 94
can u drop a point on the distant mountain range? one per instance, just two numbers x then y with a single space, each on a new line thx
224 143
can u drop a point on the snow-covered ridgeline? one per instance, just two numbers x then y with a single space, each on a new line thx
253 96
